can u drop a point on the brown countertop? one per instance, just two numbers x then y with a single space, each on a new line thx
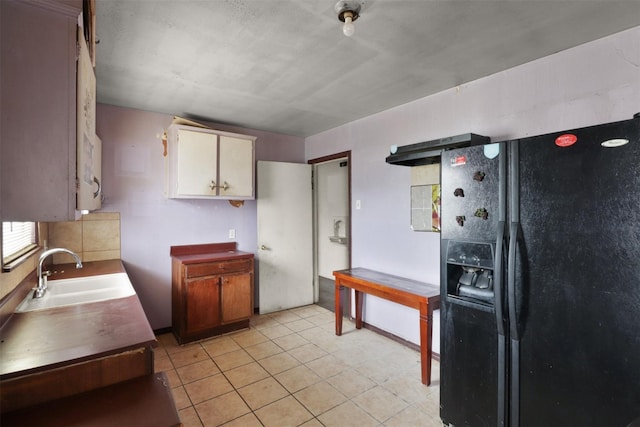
194 254
41 340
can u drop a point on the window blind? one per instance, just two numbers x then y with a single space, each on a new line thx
17 238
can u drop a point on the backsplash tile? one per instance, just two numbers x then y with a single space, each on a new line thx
88 256
100 235
95 237
66 234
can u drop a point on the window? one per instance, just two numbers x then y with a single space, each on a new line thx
18 239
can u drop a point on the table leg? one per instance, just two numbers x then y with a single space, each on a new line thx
359 299
338 309
426 332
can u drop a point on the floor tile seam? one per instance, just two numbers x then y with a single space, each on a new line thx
220 354
285 387
237 391
280 372
188 397
341 372
197 414
267 404
271 341
184 347
373 416
196 361
220 395
333 407
197 379
238 366
309 410
304 362
292 348
170 362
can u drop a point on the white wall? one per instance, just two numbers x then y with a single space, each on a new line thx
133 183
594 83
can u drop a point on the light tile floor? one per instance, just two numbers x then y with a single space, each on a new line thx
290 369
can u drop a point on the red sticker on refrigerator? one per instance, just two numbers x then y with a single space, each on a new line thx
566 140
458 160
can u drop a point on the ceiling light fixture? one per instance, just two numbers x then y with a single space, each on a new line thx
348 11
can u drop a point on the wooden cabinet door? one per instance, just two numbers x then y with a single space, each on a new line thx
237 298
197 163
236 167
202 303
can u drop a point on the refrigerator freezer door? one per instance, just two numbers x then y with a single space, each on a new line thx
470 189
578 289
472 351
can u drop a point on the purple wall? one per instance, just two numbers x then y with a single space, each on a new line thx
594 83
133 183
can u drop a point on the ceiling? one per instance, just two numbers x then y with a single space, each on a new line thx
284 65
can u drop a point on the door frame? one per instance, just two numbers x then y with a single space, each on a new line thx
314 163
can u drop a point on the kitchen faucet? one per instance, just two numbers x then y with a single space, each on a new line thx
38 291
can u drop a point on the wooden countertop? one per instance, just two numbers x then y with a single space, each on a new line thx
194 254
42 340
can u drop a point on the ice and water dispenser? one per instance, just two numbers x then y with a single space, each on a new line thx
469 269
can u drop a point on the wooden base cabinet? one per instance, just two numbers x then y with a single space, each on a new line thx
212 290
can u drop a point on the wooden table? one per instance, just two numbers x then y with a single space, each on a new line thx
424 297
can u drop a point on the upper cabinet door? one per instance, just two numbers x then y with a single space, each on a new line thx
197 163
89 146
236 167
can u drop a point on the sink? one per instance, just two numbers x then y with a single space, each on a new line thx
79 290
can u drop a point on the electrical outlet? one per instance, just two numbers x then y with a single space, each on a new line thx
232 233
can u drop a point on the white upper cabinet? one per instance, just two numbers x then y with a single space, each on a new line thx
205 163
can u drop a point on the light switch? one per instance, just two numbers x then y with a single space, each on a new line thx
358 204
232 233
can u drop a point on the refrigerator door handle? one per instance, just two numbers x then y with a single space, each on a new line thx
497 280
511 281
500 322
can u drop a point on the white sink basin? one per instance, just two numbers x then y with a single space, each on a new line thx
80 290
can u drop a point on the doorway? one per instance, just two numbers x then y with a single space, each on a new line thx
332 223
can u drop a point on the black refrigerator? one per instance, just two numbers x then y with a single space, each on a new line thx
540 280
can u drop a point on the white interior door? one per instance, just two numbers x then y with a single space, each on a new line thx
285 244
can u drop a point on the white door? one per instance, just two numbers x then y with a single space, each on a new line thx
285 244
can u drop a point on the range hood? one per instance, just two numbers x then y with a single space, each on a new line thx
428 152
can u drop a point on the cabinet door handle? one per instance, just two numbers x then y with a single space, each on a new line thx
99 190
224 186
264 248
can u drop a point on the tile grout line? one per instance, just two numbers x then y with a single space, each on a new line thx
277 319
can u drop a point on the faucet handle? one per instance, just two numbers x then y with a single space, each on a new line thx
46 273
